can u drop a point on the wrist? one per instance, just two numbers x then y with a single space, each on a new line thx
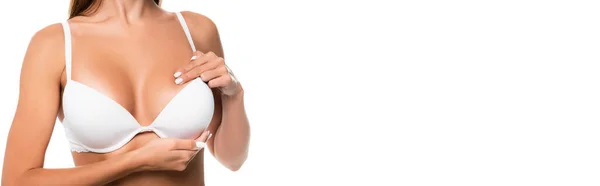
237 96
134 162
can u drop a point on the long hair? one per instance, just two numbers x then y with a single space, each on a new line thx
79 7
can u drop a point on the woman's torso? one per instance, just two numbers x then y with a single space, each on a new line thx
133 65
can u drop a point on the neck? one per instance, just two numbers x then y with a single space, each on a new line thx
126 10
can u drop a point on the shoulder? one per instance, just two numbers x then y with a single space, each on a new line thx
203 30
46 50
47 41
199 22
49 35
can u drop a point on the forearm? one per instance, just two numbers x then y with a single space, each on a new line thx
99 173
233 136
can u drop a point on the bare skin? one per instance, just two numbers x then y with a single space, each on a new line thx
128 51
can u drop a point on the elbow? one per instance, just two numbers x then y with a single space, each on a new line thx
13 180
233 163
234 166
11 183
231 155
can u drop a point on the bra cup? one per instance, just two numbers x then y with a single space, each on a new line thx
188 113
99 124
93 119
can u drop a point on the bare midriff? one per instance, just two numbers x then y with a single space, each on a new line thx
192 175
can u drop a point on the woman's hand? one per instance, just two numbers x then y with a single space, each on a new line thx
201 141
211 69
169 153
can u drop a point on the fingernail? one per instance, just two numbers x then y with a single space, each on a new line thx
209 135
200 144
178 81
177 74
194 57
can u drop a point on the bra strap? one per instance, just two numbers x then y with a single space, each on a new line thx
67 32
186 30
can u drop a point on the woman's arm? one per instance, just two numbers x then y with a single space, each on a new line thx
230 128
231 140
33 123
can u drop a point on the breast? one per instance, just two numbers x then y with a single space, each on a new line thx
94 122
188 113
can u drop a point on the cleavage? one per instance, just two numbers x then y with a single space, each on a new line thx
141 89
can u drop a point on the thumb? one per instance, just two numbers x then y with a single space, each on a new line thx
184 144
205 136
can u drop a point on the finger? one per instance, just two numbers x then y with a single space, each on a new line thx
200 145
203 136
186 76
182 74
184 144
198 59
196 54
184 155
214 73
194 73
185 67
221 81
197 70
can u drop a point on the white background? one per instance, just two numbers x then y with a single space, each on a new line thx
376 93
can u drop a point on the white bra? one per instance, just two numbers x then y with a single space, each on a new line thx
96 123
